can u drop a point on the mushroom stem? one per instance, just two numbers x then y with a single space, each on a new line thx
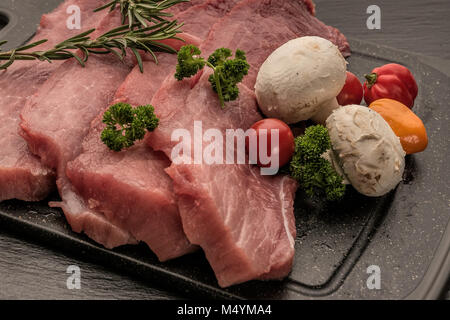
331 158
325 110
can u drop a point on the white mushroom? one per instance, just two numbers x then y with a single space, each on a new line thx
368 151
300 80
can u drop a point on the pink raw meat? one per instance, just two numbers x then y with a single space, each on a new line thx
246 230
148 210
182 6
207 13
260 26
130 189
22 176
57 118
243 221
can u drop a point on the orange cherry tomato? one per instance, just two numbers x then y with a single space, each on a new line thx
404 122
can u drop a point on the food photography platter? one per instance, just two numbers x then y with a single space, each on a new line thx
222 231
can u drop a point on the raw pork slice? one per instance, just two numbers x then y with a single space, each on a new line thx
241 242
243 221
198 19
260 26
255 26
183 6
22 176
149 210
57 118
131 190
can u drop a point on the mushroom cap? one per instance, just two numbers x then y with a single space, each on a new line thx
367 149
299 76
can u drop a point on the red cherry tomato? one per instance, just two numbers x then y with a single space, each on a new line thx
391 81
352 92
286 144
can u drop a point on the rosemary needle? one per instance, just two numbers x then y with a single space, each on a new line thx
142 11
115 41
135 35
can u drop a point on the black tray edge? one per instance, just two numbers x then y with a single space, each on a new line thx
437 275
435 280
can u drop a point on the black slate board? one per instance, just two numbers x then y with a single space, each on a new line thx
405 233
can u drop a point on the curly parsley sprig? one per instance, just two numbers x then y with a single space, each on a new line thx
227 72
125 125
314 173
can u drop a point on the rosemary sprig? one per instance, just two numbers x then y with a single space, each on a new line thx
142 11
115 41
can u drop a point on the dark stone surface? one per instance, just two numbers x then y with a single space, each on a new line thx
29 269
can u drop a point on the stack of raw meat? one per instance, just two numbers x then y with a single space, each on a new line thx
243 221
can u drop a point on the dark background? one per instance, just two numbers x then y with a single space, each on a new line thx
417 26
